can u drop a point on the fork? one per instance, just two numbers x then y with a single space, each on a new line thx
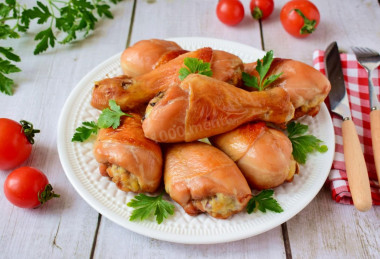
370 59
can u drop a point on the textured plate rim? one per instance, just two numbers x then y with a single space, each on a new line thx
176 238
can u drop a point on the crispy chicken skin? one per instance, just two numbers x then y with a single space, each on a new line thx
132 161
264 155
202 107
131 93
226 67
306 86
110 89
144 56
140 90
202 178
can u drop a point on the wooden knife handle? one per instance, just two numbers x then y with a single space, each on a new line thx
375 133
356 168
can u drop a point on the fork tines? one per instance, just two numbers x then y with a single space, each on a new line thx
362 52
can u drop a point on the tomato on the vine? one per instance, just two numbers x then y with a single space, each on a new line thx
230 12
16 142
261 9
299 18
28 187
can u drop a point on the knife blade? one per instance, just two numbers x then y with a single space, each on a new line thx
356 168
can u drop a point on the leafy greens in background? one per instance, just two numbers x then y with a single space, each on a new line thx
56 17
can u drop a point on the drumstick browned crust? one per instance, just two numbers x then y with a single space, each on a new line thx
131 93
145 55
132 161
306 86
202 178
263 154
202 107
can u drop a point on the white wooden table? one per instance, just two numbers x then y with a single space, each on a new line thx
69 228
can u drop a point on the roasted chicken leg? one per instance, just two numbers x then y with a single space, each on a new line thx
132 161
264 155
202 178
130 93
202 107
146 55
306 86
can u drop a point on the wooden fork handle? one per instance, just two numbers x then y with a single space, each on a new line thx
356 168
375 133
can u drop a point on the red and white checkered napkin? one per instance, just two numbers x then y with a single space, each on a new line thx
356 79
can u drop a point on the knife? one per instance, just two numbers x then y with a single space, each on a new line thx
356 168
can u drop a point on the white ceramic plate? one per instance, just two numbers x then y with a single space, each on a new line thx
102 194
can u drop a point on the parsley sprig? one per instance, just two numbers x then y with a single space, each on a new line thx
264 201
110 117
64 20
85 131
145 206
262 68
303 144
194 66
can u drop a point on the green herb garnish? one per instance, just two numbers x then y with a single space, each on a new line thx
59 21
303 144
110 117
262 68
82 133
6 67
194 66
144 206
264 201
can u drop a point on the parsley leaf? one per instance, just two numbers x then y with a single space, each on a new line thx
8 53
194 66
45 38
144 206
82 133
40 12
64 18
110 117
7 67
264 201
262 68
250 81
6 84
303 144
104 10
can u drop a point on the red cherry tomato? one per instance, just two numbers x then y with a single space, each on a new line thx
28 187
230 12
299 18
261 9
15 142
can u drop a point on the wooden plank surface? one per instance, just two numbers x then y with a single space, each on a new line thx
148 24
64 228
190 18
131 245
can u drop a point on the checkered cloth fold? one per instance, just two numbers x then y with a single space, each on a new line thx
356 79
